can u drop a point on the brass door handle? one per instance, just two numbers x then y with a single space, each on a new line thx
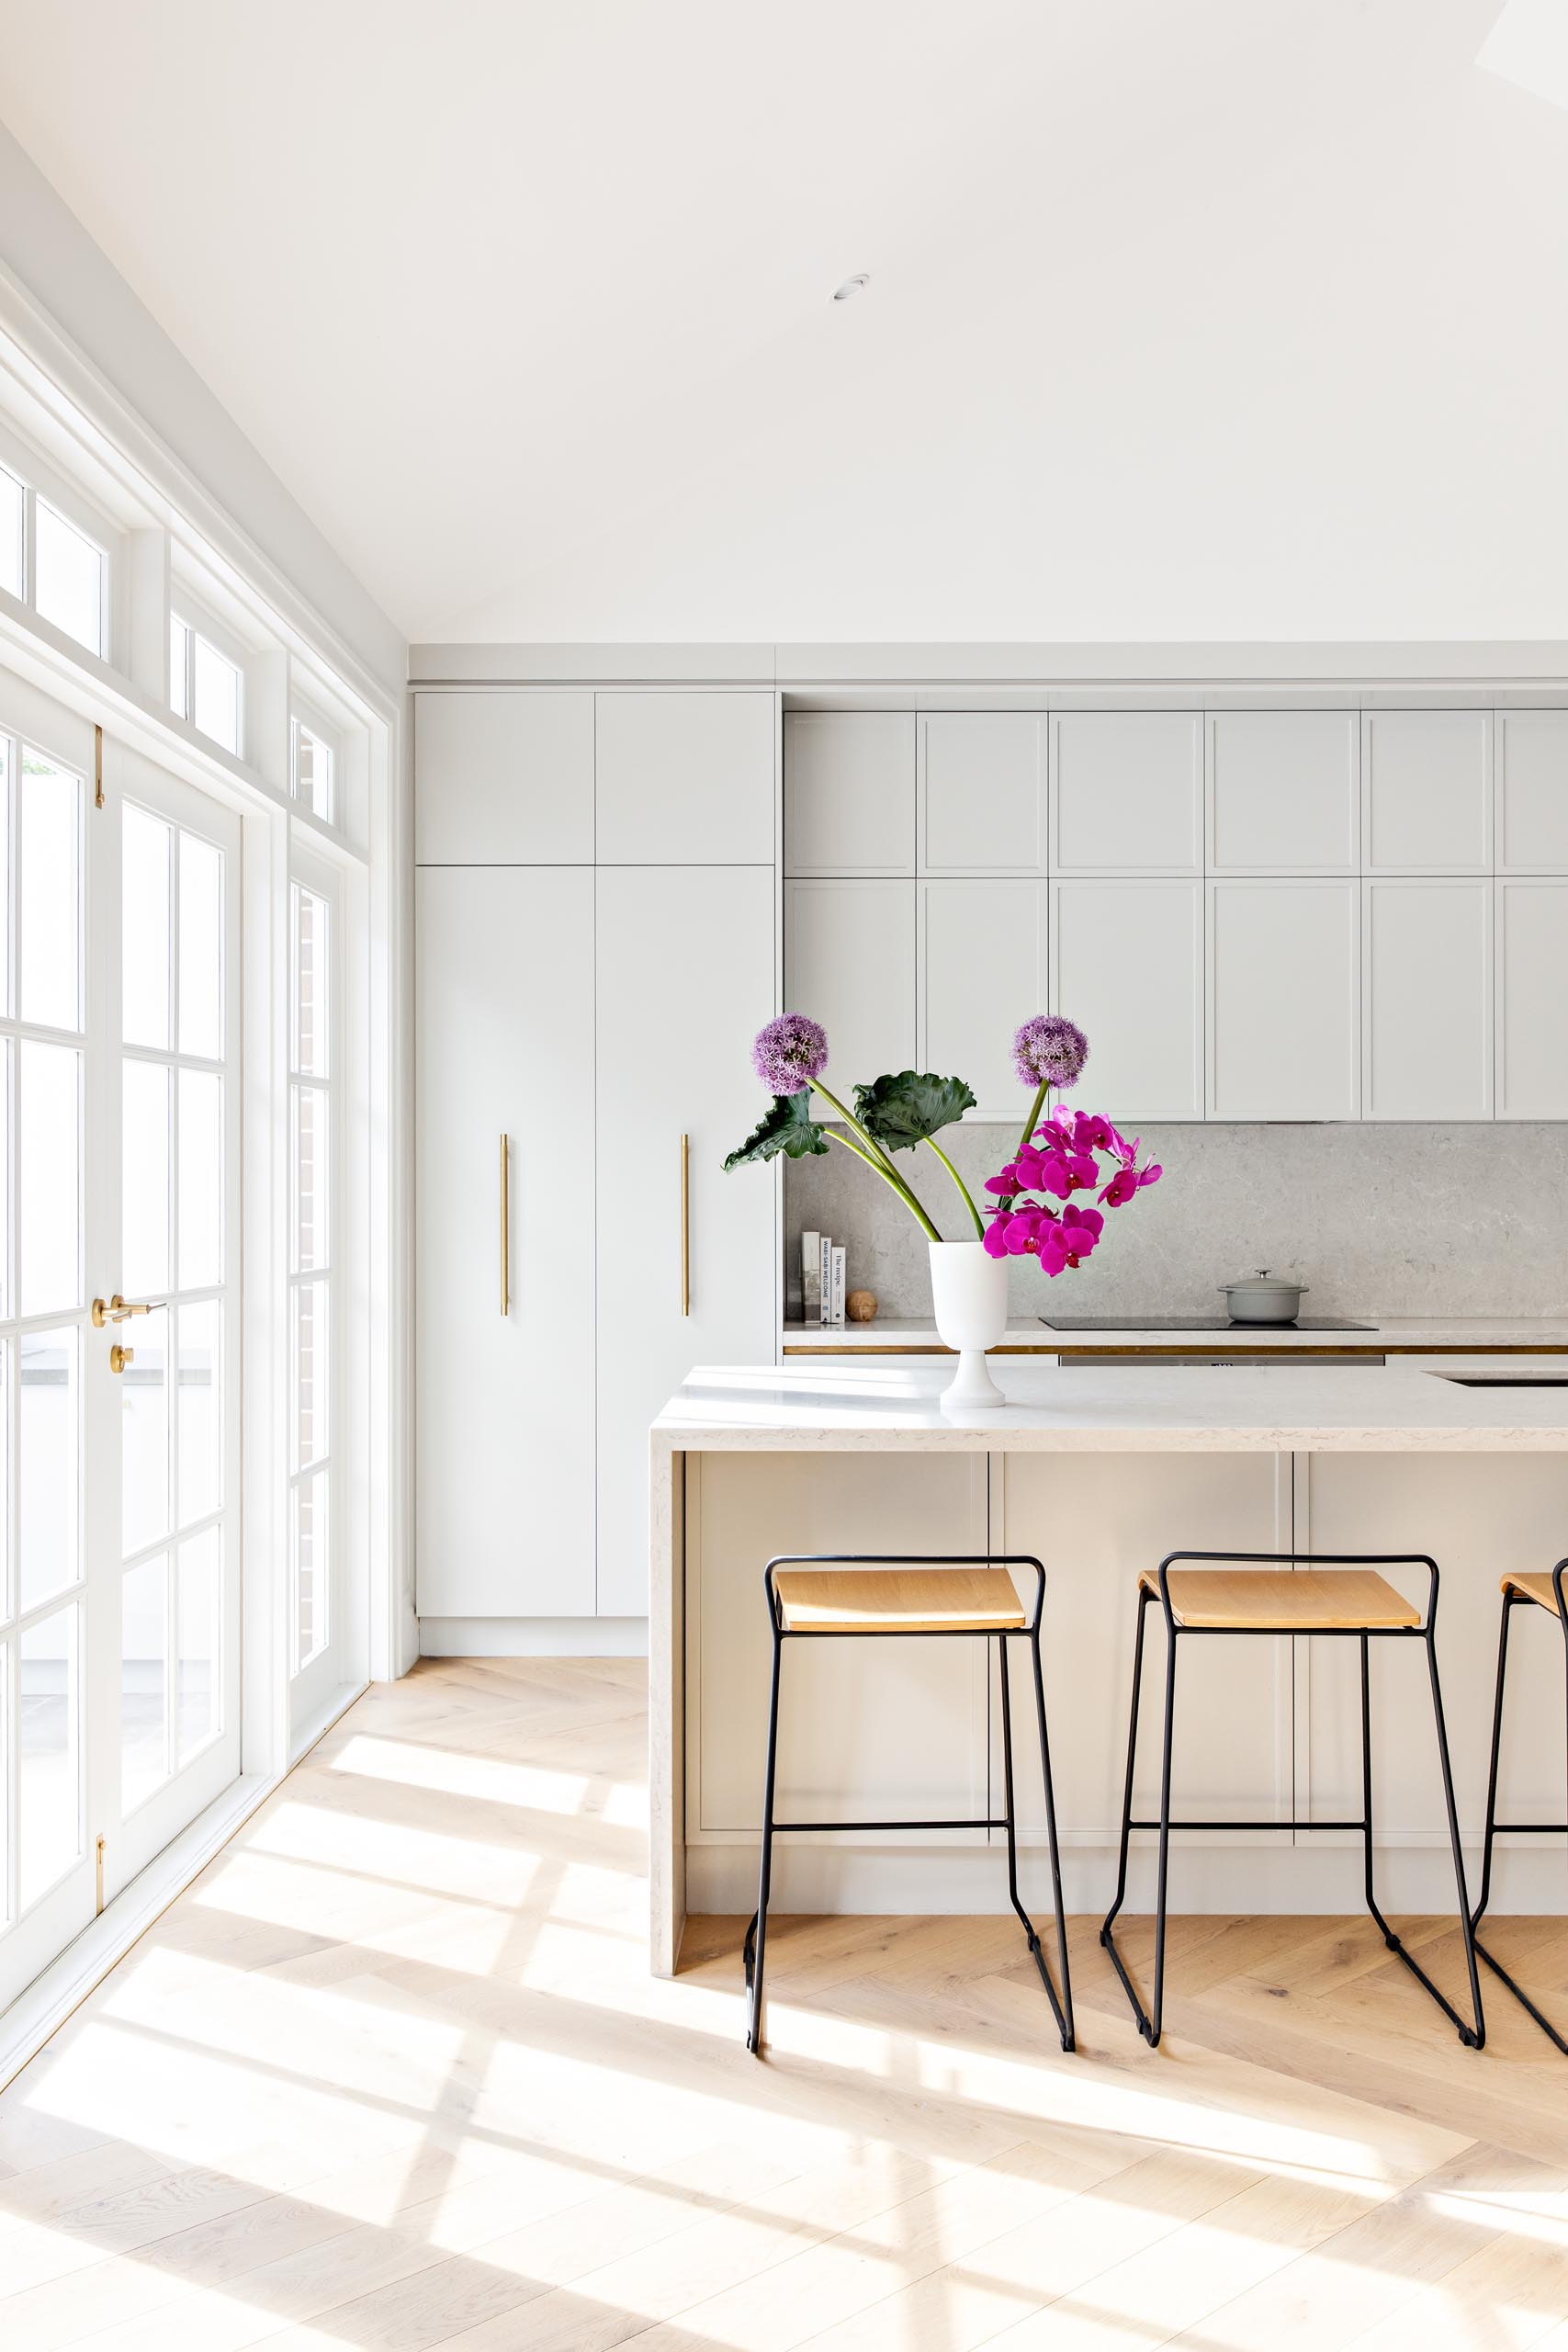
119 1357
120 1310
505 1227
686 1224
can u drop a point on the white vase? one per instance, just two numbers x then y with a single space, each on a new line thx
969 1291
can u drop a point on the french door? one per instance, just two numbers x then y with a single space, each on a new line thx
119 1320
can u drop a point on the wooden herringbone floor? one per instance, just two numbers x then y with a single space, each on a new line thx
394 2074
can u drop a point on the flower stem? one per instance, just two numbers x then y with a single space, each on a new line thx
889 1178
968 1202
1034 1109
876 1156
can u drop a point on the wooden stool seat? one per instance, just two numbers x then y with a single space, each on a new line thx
1533 1588
1271 1600
898 1600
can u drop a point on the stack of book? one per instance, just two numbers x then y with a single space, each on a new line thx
821 1282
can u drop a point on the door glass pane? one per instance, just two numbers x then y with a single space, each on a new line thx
48 827
144 1114
310 983
312 771
201 1179
144 1435
201 968
311 1387
49 1206
68 578
7 1068
10 534
200 1415
217 709
49 1466
144 1680
309 1559
200 1714
48 1781
7 765
310 1179
144 929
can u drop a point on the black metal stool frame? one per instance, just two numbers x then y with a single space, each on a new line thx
1512 1600
1474 2036
756 1934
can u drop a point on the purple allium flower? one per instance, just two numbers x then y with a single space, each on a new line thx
1049 1051
789 1052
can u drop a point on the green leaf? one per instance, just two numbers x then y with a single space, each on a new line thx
903 1111
786 1125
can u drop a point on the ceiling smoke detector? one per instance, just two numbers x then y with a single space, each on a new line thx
851 286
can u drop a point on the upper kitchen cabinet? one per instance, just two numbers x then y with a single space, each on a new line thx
982 792
1284 999
503 778
684 779
1427 999
1284 792
1427 791
1127 966
1533 792
849 793
982 972
1126 792
1532 1003
850 964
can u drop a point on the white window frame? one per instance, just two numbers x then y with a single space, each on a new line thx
198 620
303 711
40 479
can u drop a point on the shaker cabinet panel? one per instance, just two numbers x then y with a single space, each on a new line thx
684 779
982 784
1127 966
503 778
1427 999
849 794
504 1045
1284 1000
1533 792
1127 792
850 962
1532 1000
678 1282
1427 791
982 972
1284 792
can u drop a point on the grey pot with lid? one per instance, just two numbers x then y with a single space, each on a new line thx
1263 1297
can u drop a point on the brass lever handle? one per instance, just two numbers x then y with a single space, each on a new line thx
120 1310
505 1227
686 1224
119 1357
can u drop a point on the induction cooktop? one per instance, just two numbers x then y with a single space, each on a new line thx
1195 1323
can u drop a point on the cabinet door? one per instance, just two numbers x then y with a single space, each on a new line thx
850 962
1127 792
694 948
1127 966
1284 792
849 792
504 987
982 792
1532 791
684 779
1532 1002
503 778
1427 791
1284 1000
1426 999
982 972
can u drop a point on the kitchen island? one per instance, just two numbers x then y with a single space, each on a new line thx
1099 1469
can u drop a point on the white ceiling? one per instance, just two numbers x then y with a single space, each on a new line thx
1187 318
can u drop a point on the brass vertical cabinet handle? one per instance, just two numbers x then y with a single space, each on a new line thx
505 1227
686 1224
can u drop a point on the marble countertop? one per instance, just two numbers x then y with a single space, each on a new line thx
886 1405
1401 1333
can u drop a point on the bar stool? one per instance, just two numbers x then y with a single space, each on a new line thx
1519 1592
838 1596
1243 1592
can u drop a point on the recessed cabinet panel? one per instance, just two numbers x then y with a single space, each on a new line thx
1532 1000
684 779
1427 999
1127 966
1127 792
1427 791
983 792
849 792
1532 791
984 973
505 992
1284 791
503 779
850 962
1284 1000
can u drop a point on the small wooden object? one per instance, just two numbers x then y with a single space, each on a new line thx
861 1306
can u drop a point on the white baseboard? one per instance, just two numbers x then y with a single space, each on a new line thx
533 1637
